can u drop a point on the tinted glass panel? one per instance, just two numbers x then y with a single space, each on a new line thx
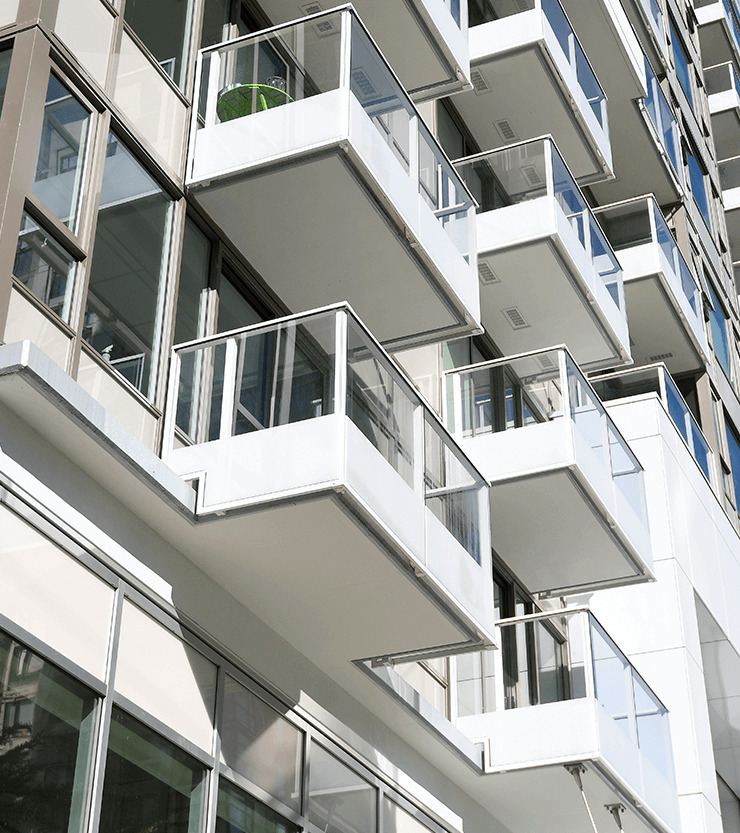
164 27
191 295
44 267
238 812
121 318
340 801
45 743
4 69
718 322
150 784
61 152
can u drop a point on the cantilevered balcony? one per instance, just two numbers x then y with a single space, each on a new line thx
664 305
719 31
335 496
533 39
656 379
559 698
567 498
649 22
547 273
310 156
723 87
729 178
426 41
646 145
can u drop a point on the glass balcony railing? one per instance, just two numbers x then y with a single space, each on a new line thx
522 391
560 26
654 14
722 78
308 366
283 67
664 122
532 170
640 222
729 173
657 379
455 7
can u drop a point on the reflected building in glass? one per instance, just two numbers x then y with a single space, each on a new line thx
369 416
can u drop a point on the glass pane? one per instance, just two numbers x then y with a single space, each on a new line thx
215 21
45 743
469 684
164 28
5 57
733 446
234 310
718 322
261 745
239 812
652 728
340 801
612 679
397 820
150 784
61 154
682 65
44 267
122 317
698 187
193 289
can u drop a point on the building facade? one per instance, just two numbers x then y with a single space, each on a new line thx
369 416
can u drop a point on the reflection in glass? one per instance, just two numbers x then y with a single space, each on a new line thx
193 286
164 28
46 723
261 745
129 255
340 801
398 820
43 267
61 152
150 784
239 812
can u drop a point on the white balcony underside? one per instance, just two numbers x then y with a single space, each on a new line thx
725 109
717 45
329 215
419 39
533 791
640 162
545 273
507 50
553 517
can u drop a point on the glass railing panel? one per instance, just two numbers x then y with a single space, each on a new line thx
455 9
734 28
627 225
655 16
576 57
662 118
632 383
507 176
485 11
613 680
627 475
687 426
274 69
452 489
587 415
378 404
606 263
729 173
200 392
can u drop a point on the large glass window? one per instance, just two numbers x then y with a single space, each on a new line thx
164 27
238 812
720 342
44 267
128 266
150 784
733 448
4 70
59 167
193 289
340 801
683 67
698 186
46 732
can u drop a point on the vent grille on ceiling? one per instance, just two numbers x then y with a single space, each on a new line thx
523 5
545 362
311 8
515 318
531 174
361 83
660 357
480 84
486 274
505 130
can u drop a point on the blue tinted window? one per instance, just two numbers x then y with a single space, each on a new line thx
682 65
719 334
698 187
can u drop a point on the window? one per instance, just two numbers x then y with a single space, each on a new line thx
698 185
239 812
44 267
164 28
46 740
5 57
129 258
733 448
59 167
683 66
150 784
340 801
718 323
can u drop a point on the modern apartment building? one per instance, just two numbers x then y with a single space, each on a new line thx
369 416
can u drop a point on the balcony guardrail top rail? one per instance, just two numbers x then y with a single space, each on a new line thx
663 120
534 169
514 393
656 379
311 365
722 78
640 221
558 22
288 64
